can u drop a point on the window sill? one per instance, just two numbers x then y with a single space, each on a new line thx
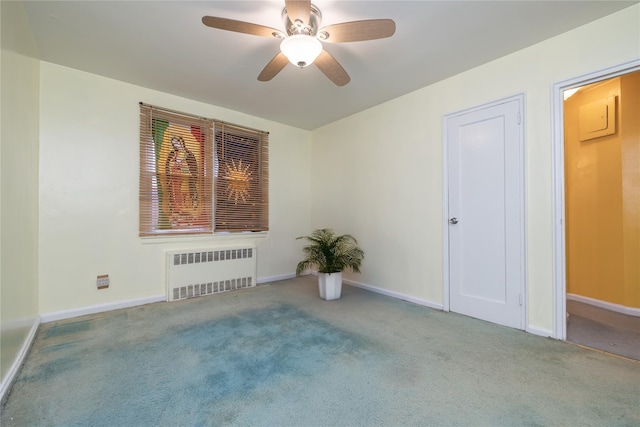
214 238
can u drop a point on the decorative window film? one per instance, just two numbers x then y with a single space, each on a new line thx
241 185
175 173
178 168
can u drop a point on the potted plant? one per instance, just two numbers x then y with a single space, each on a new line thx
330 254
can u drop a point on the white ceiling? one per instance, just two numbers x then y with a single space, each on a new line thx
163 45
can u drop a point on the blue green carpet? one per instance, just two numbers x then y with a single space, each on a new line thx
277 355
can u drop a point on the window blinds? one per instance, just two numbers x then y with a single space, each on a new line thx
189 185
241 179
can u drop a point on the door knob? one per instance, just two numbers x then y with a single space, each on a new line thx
453 220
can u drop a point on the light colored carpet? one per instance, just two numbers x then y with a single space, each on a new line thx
278 355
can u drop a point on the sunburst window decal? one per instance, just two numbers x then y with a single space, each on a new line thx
238 177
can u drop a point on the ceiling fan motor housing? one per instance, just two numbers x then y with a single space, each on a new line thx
310 28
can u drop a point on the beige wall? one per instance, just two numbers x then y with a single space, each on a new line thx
602 178
89 145
385 185
19 177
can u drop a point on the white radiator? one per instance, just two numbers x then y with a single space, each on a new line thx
201 272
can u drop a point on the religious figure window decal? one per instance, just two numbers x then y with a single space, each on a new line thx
179 166
181 184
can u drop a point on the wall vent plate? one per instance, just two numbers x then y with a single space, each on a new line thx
597 119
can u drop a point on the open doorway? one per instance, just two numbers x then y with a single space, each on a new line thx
600 218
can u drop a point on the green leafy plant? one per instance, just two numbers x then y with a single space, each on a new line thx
330 253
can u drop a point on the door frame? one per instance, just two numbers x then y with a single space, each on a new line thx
558 183
520 98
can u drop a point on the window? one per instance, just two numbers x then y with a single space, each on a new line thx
200 175
241 185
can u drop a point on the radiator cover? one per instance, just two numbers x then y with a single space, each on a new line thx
199 272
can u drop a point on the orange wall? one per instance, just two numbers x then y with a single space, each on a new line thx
602 178
630 118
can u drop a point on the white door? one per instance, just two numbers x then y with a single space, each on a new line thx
485 177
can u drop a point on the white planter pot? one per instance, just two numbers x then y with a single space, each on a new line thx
330 285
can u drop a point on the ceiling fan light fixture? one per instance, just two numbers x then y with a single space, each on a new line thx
302 39
300 49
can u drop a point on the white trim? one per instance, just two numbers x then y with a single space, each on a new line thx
559 248
540 331
262 280
445 215
521 99
208 238
618 308
67 314
8 380
394 294
524 216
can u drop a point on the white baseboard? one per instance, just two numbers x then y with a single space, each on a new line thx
540 331
7 382
262 280
631 311
394 294
67 314
531 329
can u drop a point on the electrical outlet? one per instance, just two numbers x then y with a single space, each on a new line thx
103 281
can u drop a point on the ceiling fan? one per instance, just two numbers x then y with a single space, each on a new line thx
301 42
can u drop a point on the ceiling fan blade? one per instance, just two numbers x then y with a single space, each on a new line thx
356 31
332 68
240 26
298 9
273 67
